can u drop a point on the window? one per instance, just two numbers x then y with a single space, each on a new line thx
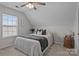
9 23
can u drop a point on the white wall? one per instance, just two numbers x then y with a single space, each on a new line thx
58 17
23 25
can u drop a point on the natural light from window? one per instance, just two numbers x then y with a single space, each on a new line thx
9 24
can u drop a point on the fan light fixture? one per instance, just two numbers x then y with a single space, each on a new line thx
30 5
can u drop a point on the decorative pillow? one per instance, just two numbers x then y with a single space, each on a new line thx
39 31
32 30
44 32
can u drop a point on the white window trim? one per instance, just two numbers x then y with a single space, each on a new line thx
10 25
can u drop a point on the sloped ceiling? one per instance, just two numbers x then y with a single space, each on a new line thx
53 14
14 4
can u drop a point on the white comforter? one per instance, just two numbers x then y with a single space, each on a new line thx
31 47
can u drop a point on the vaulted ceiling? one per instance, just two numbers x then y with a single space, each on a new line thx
53 14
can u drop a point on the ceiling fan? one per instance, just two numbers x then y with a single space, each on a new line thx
32 5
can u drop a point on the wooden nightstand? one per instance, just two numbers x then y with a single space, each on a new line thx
68 41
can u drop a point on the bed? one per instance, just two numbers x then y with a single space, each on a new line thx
32 47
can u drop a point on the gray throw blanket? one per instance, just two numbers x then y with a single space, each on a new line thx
43 41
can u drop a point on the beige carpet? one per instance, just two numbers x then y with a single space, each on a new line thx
59 50
55 50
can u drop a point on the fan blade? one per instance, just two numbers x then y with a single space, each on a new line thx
23 5
41 3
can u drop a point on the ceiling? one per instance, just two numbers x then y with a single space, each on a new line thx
54 13
23 9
